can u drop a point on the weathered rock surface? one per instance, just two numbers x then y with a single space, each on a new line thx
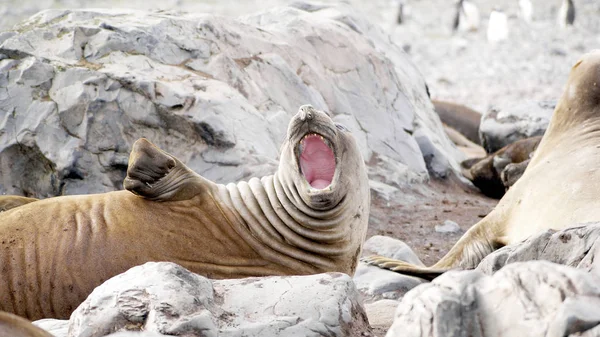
504 124
376 283
167 299
535 298
576 247
78 87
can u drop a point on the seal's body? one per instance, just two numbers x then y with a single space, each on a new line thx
558 189
309 217
15 326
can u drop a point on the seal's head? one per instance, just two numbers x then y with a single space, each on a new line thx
322 158
581 98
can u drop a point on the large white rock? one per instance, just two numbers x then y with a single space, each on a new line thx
535 298
78 87
165 299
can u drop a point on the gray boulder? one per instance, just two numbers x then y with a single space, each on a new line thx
166 299
78 87
576 247
535 298
505 124
376 283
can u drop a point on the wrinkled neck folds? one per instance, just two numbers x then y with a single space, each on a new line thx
271 209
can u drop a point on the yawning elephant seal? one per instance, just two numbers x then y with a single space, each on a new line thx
558 189
309 217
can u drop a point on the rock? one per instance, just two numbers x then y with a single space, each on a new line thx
381 313
392 248
376 283
57 327
79 86
449 226
576 246
503 125
535 298
167 299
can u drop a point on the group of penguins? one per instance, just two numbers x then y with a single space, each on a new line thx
467 17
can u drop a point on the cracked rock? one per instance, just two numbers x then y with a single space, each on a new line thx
534 298
78 87
166 299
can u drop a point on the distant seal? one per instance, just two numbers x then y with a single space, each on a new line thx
467 147
15 326
11 201
460 118
558 189
486 173
309 217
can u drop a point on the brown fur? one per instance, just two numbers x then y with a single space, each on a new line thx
15 326
486 173
11 201
459 117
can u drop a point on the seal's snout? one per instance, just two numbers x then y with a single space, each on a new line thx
306 112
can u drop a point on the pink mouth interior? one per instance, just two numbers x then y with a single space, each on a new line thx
317 162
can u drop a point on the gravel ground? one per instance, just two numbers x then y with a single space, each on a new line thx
533 63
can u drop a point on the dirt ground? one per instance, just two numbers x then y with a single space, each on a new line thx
415 212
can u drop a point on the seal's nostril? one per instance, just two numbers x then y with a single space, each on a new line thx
305 112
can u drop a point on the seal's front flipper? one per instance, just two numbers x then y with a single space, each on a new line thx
156 175
11 201
403 268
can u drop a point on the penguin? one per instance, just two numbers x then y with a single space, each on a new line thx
400 16
497 26
467 16
566 14
526 10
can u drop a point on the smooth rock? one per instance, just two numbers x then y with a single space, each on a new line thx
165 298
392 248
381 313
535 298
449 226
376 283
78 87
57 327
504 124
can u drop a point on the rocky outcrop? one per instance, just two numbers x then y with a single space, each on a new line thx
79 86
535 298
167 299
544 286
505 124
576 247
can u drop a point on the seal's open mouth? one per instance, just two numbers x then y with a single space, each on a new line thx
316 159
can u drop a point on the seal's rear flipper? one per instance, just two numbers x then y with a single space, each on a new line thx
156 175
403 268
11 201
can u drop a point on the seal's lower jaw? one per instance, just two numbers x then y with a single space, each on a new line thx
316 161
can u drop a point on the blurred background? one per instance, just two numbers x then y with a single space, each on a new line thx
532 62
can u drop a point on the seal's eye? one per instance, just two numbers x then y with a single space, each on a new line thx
341 127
